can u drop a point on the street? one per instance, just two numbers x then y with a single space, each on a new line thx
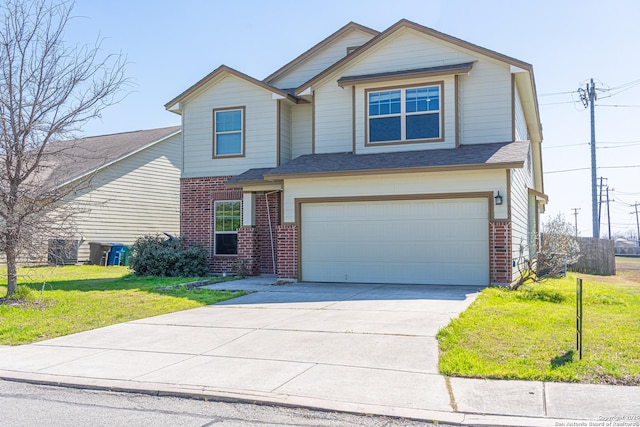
36 405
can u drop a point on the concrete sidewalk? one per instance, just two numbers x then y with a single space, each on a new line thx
356 348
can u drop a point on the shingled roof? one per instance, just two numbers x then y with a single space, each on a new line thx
478 156
76 158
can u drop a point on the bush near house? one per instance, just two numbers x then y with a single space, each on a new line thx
530 333
155 255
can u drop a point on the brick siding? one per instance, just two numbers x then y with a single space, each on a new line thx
500 252
247 249
196 224
196 221
287 250
264 235
254 243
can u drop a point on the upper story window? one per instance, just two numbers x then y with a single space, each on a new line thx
410 114
228 129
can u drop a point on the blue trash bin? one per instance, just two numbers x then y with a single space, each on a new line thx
116 254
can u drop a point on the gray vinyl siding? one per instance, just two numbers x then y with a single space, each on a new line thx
137 195
333 120
322 60
521 182
522 133
301 139
285 133
486 104
485 95
260 131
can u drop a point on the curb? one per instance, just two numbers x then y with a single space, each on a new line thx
289 401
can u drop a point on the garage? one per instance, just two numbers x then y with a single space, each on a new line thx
430 241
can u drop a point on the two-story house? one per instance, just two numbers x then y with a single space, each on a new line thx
402 156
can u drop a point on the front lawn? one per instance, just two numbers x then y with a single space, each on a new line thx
78 298
531 333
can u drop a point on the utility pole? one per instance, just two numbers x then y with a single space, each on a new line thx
637 222
592 102
600 202
608 212
588 98
575 214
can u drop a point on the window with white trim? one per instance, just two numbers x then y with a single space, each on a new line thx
406 114
228 129
227 218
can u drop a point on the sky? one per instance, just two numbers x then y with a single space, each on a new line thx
171 45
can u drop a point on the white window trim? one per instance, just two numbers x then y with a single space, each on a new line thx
215 232
241 132
403 114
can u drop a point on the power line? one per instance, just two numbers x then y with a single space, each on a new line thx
567 145
557 93
623 87
619 167
628 84
623 192
618 105
620 146
599 167
631 143
558 103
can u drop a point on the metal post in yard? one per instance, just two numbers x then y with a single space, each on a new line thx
579 316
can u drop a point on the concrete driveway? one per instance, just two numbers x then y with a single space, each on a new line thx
357 347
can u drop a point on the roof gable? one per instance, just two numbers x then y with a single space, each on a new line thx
215 76
317 49
522 70
406 24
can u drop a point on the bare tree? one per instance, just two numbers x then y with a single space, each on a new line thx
556 249
48 90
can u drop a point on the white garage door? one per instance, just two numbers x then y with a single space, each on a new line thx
408 241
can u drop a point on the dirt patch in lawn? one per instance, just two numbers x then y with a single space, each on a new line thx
19 303
628 268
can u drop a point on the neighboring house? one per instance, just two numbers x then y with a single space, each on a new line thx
129 184
626 247
372 157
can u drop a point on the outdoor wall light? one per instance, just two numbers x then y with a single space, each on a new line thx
498 199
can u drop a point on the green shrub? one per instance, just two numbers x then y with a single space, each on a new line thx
154 255
531 293
23 293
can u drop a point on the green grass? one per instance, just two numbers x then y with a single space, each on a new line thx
530 333
78 298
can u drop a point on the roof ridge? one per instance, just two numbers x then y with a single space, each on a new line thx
124 132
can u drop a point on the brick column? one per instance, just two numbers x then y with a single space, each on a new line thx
500 252
266 231
248 250
287 250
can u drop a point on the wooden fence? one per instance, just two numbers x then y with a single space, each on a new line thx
597 256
